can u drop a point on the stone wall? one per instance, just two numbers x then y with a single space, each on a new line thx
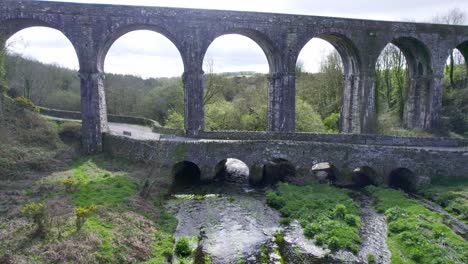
206 154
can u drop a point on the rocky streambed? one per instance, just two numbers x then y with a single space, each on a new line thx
234 224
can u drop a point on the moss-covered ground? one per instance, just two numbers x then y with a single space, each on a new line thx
328 214
416 234
451 195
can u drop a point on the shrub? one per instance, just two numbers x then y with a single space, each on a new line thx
370 259
26 104
182 247
392 214
340 211
311 230
70 185
352 220
285 221
275 200
82 214
331 122
38 213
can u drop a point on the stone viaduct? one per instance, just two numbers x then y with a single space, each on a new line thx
92 29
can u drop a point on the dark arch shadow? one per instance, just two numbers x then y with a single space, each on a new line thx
325 172
417 55
277 170
259 38
114 36
364 176
402 178
232 171
463 48
12 26
186 173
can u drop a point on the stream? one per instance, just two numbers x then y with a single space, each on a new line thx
234 224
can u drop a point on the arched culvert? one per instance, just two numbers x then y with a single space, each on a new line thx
364 176
325 172
186 173
278 170
402 178
232 171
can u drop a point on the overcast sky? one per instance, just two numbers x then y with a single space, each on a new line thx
149 54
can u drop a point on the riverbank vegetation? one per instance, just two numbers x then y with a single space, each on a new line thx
328 214
416 234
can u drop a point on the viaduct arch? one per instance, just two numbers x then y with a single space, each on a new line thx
92 28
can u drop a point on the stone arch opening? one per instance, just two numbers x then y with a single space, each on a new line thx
232 171
186 173
143 77
364 176
325 172
402 178
235 85
404 77
278 170
42 65
324 84
455 91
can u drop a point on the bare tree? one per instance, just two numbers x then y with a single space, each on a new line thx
212 85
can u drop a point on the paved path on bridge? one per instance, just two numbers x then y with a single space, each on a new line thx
146 133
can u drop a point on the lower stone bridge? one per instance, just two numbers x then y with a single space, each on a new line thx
408 162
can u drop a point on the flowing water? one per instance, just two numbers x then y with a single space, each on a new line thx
234 224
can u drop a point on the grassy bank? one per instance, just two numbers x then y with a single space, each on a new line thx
328 214
451 195
58 207
416 234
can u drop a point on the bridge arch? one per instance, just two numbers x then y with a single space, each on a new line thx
186 173
262 40
278 170
419 108
10 27
402 178
351 65
232 170
118 33
364 176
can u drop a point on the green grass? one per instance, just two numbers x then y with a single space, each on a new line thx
328 214
416 234
452 196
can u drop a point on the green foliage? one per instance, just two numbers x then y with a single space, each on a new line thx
70 185
182 247
175 120
331 122
26 104
82 214
37 212
452 196
324 212
307 119
3 81
100 188
416 234
370 259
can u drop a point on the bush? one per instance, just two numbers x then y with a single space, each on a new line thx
182 247
275 200
26 104
331 122
70 185
340 211
370 259
38 213
311 230
82 214
352 220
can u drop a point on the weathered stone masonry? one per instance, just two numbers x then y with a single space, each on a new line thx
93 28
